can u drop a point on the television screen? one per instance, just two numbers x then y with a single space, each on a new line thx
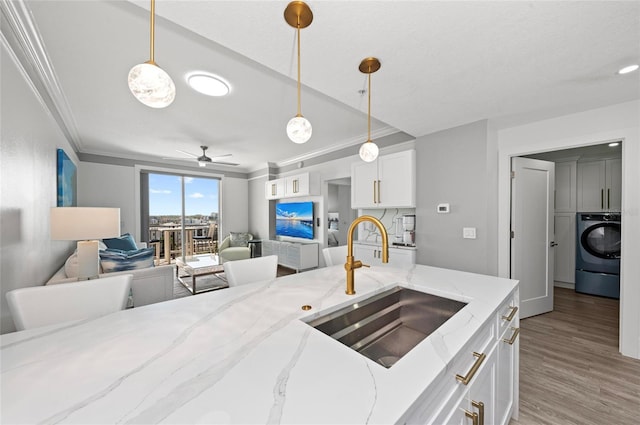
295 219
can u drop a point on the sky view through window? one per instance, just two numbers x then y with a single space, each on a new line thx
165 198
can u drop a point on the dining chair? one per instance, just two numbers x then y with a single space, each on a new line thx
37 306
335 255
241 272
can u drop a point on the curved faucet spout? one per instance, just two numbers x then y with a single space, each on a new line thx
353 264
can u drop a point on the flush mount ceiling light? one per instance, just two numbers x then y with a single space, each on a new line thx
298 15
369 150
208 84
628 69
147 81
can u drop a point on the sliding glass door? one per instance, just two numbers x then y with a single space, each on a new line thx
180 214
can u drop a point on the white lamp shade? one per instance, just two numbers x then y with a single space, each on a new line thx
151 85
80 223
299 129
369 151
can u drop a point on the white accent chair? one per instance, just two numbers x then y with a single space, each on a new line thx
47 305
241 272
335 255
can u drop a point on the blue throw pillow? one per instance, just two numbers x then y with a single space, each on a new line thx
113 260
124 243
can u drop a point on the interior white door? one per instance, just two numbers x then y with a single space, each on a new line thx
532 252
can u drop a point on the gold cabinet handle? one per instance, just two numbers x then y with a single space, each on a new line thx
511 340
476 365
511 314
273 189
608 198
480 406
379 192
374 192
472 416
602 198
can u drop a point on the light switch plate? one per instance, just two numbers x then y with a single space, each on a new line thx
469 232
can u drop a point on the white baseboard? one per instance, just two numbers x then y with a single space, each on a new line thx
564 285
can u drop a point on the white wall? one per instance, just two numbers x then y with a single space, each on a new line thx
105 185
29 138
596 126
259 211
235 205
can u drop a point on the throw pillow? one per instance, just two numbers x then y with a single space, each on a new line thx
239 239
124 242
113 260
71 265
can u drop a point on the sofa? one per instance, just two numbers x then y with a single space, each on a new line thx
235 247
150 285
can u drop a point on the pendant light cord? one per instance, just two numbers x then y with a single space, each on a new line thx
152 36
298 28
369 116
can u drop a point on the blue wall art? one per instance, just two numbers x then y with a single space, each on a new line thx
67 181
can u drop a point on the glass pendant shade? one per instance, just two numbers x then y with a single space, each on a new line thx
299 129
151 85
369 151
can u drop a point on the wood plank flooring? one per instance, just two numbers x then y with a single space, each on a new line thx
570 368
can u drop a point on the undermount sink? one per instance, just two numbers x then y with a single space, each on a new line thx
388 325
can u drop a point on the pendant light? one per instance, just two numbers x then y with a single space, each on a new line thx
369 150
298 15
149 83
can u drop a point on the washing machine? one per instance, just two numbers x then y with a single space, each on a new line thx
598 254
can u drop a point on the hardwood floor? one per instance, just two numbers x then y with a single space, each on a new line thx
570 368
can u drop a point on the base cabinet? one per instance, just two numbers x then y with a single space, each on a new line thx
372 255
481 384
293 255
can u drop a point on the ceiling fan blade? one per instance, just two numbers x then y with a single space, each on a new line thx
179 159
233 164
187 153
221 156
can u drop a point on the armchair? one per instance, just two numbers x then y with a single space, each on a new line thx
235 247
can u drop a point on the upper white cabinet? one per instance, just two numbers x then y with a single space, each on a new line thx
291 186
388 182
372 255
274 189
565 194
599 185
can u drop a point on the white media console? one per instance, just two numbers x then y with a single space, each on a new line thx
293 255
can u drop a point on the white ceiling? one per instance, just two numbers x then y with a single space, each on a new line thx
444 64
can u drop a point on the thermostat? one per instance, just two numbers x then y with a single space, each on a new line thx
443 208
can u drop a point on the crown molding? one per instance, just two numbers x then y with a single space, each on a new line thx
24 40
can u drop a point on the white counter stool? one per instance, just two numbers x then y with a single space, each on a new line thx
47 305
241 272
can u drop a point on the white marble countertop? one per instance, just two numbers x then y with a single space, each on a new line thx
239 355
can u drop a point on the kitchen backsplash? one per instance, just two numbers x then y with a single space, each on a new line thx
368 232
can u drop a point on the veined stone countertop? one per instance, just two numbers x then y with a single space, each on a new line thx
240 355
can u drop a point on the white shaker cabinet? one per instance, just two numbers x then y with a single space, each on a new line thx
388 182
565 190
599 185
565 252
303 184
372 255
294 255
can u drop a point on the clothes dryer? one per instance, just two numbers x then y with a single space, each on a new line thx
598 254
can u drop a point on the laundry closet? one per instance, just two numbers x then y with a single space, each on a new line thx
587 217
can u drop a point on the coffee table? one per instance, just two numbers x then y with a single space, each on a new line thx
199 265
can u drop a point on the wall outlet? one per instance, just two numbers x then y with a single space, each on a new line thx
469 232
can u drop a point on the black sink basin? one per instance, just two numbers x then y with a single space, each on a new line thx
388 325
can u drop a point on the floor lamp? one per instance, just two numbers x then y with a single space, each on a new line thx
85 225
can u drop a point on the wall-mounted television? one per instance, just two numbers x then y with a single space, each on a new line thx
294 219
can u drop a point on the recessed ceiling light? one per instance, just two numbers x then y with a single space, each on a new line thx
628 69
614 144
208 84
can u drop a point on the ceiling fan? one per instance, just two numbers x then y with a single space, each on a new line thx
203 159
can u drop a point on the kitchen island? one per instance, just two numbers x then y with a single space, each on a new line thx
243 355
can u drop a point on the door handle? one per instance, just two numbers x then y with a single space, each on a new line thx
553 243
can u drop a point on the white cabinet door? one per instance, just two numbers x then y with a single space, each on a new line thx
388 182
614 184
505 378
565 190
397 180
565 251
274 189
600 185
364 180
297 185
482 391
